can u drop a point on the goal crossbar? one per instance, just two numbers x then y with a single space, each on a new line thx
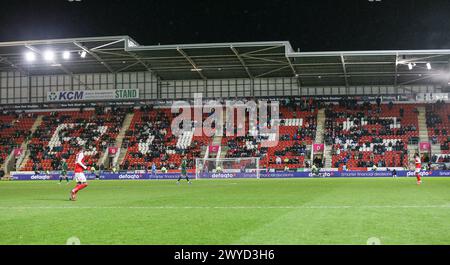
242 167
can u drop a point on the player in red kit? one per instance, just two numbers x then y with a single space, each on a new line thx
418 163
79 178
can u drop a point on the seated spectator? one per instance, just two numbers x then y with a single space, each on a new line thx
278 160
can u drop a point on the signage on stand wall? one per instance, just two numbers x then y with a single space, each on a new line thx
93 95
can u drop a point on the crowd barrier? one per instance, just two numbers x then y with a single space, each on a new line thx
171 176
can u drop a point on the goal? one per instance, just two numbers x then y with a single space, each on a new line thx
227 167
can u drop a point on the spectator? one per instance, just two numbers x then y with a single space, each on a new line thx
378 101
278 160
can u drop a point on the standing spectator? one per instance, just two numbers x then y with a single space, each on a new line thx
379 101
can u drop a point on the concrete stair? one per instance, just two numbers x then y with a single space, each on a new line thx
122 154
423 129
412 150
328 157
217 140
119 140
320 126
224 151
203 153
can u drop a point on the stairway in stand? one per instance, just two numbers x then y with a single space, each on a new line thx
321 118
423 131
320 135
119 140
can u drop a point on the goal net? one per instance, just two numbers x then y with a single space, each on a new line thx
227 167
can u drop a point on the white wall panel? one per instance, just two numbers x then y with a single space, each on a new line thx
14 87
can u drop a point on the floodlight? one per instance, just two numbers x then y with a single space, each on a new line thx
66 55
49 55
30 56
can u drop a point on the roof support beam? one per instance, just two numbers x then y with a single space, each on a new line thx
194 65
415 80
396 71
292 67
242 62
263 59
126 55
7 61
294 71
128 67
344 67
419 59
106 45
100 60
139 60
262 50
272 71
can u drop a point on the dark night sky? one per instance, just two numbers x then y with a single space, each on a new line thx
311 25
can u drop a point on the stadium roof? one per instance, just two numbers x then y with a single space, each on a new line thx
229 60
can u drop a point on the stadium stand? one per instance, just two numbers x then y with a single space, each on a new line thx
150 140
361 135
364 135
63 133
14 129
438 123
298 122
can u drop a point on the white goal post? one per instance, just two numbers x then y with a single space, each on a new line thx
247 167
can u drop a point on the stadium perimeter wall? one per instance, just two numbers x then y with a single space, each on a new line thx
139 175
17 88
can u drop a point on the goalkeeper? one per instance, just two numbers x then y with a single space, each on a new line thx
315 170
96 173
184 172
63 175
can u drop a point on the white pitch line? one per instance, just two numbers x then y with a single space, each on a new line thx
227 207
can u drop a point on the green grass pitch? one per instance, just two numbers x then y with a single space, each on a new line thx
228 212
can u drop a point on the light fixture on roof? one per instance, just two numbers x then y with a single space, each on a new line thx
66 55
429 66
83 54
49 55
410 66
30 56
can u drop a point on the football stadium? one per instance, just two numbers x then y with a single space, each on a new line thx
109 141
